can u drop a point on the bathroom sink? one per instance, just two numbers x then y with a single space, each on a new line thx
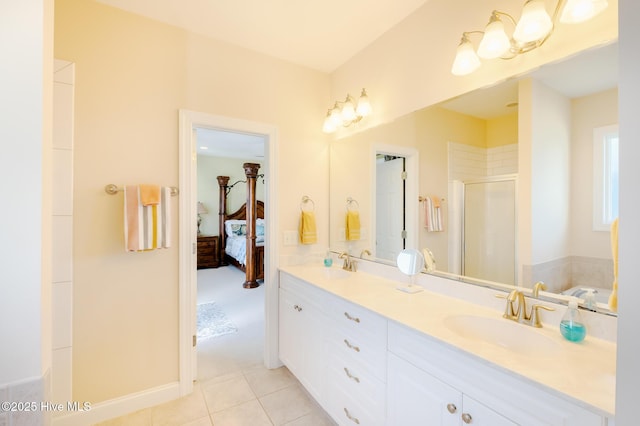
518 338
335 273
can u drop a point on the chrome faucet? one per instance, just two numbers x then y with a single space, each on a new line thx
349 263
516 309
363 252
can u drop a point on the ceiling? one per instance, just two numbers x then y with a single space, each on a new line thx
321 35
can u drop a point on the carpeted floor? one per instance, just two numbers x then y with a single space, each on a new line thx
212 321
244 308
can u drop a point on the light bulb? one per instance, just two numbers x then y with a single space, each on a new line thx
576 11
364 106
466 60
328 126
495 42
348 110
534 24
336 116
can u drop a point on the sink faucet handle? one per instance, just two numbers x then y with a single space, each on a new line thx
535 315
537 287
509 310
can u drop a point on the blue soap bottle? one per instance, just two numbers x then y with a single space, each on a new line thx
328 260
572 326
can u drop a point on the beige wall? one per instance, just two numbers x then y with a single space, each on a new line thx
209 168
502 130
587 113
132 76
544 165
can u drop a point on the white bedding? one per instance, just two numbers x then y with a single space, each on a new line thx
236 245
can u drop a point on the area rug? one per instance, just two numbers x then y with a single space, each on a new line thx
212 321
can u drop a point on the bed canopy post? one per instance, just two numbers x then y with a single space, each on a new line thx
251 171
223 182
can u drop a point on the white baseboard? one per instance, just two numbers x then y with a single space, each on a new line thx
119 406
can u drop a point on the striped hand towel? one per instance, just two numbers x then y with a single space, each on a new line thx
432 216
146 227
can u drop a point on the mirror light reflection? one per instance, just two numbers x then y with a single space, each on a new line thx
524 186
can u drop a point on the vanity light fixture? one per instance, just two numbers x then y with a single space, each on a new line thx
530 32
346 113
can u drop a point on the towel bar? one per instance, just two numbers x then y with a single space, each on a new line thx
112 189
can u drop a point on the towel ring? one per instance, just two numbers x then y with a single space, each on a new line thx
305 200
351 201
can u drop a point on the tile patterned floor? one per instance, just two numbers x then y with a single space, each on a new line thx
233 388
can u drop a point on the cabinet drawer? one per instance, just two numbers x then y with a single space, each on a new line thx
356 381
348 410
358 321
360 349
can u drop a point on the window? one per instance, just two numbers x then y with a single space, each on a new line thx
605 177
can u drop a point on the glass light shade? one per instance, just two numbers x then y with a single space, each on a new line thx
576 11
466 60
328 126
336 115
364 107
534 24
348 110
495 42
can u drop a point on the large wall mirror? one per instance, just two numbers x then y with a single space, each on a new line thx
510 184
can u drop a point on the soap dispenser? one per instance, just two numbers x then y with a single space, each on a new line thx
572 326
328 260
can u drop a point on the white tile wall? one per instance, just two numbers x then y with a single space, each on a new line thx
62 308
62 268
469 162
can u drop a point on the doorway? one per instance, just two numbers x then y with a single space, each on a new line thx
189 123
229 317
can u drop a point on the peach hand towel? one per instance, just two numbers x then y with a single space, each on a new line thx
352 227
149 195
308 233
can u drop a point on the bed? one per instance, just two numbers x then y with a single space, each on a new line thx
242 232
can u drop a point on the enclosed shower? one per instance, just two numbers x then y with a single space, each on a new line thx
482 238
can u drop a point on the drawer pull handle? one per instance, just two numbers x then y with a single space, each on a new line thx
466 417
297 308
354 319
349 375
452 408
350 417
355 348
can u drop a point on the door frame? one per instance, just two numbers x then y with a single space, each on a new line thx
187 288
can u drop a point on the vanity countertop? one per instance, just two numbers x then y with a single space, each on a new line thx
583 373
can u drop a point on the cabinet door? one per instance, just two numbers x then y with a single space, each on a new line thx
474 413
301 341
415 397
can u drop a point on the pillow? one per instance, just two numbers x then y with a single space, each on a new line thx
232 227
260 229
239 230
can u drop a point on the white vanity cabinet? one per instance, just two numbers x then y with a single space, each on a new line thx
302 328
432 383
418 398
357 364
